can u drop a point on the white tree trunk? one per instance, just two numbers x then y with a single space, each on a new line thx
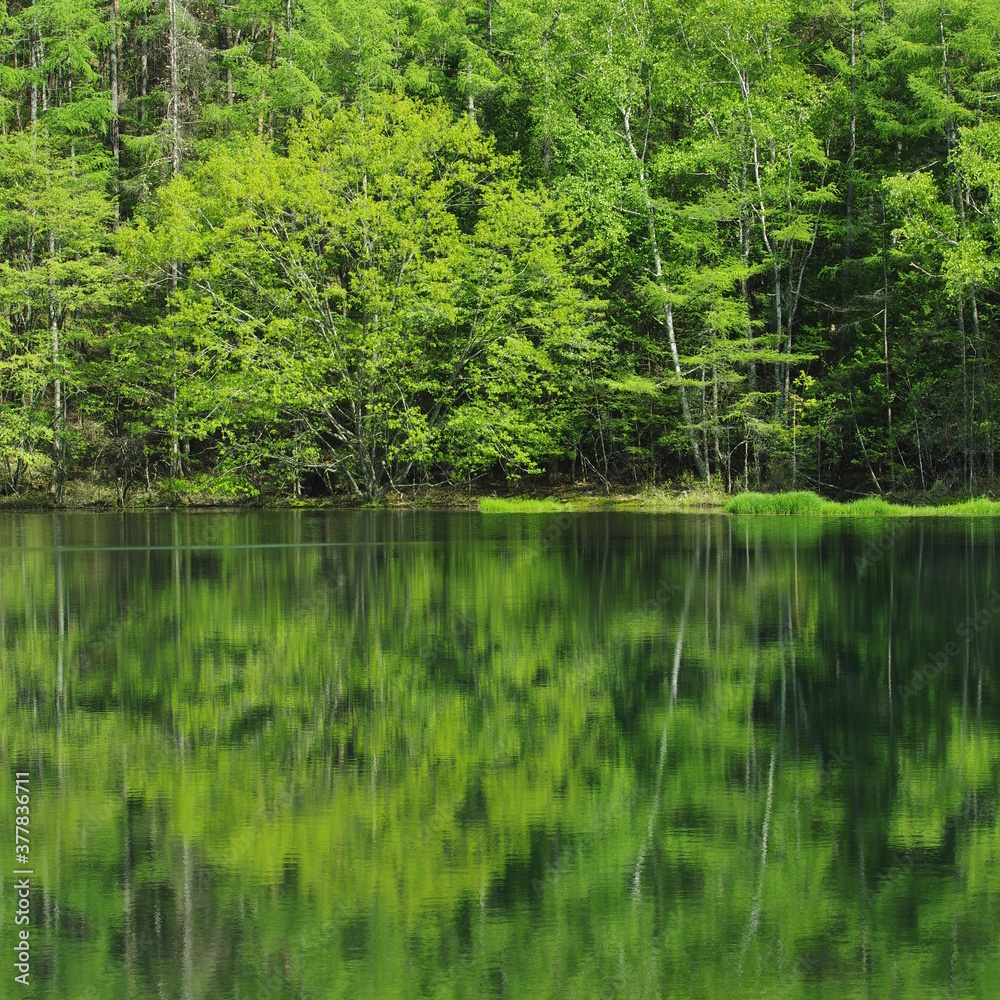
668 308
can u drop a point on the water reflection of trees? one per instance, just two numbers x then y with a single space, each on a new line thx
410 752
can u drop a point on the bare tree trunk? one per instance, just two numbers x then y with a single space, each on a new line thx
175 88
720 465
175 440
35 46
849 230
668 309
704 423
950 139
113 126
143 66
779 399
885 339
966 417
58 471
977 340
263 92
35 60
175 162
229 69
745 292
472 99
920 453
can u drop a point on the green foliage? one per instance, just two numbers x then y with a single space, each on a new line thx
379 289
360 247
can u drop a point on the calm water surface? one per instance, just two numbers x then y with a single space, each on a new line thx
363 755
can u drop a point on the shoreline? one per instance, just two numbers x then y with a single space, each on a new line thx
547 501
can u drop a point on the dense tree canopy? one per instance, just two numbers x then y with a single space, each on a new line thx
324 246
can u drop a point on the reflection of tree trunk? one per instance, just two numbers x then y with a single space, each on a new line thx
188 932
888 645
60 646
129 901
176 559
674 675
858 825
754 921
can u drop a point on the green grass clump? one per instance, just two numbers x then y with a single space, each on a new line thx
874 507
799 502
520 505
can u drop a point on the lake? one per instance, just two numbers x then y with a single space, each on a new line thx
409 754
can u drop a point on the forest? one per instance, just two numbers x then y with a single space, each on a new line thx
292 248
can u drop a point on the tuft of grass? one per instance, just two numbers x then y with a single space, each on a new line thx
799 502
874 507
521 505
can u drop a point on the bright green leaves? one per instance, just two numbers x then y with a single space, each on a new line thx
326 276
958 242
375 289
55 217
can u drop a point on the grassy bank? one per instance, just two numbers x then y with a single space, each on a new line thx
522 505
651 499
803 502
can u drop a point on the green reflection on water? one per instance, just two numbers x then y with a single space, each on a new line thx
593 755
